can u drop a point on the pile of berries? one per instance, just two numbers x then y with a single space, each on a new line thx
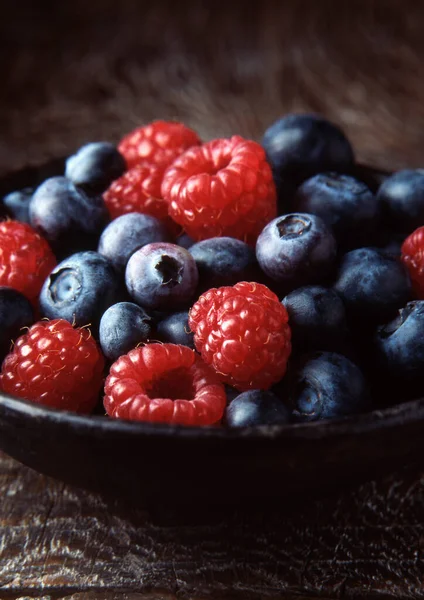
224 282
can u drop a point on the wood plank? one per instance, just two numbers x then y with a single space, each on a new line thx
60 542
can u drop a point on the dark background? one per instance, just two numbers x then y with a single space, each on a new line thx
76 71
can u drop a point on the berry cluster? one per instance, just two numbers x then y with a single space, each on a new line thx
227 282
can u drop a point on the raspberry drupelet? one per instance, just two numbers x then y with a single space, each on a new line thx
413 258
222 188
137 190
157 143
56 365
164 383
25 259
243 332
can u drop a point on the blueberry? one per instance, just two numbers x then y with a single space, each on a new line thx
402 199
184 241
224 261
373 285
122 327
174 329
296 249
299 146
346 204
95 166
80 289
326 385
66 216
162 276
126 234
400 348
256 407
317 319
17 204
15 312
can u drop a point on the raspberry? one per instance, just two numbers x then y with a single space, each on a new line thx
413 258
158 143
222 188
56 365
25 259
164 383
243 332
137 190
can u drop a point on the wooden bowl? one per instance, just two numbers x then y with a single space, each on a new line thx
153 465
222 69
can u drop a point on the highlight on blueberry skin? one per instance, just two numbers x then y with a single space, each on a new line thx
66 216
122 327
95 166
256 407
296 249
346 205
127 233
326 385
174 329
224 261
17 204
80 289
162 276
317 319
402 198
373 285
300 145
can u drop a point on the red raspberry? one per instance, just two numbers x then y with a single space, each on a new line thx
222 188
413 259
243 332
158 143
56 365
164 383
137 190
25 259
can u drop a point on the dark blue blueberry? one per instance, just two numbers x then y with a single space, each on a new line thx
122 327
17 204
373 285
184 241
66 216
95 166
174 329
326 385
402 200
126 234
256 407
346 204
15 312
317 319
296 249
224 261
162 276
400 349
80 289
299 146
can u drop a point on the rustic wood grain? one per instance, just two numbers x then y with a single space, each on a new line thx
58 542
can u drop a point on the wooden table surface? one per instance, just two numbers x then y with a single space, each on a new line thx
58 542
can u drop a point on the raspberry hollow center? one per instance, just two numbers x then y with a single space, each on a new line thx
173 385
